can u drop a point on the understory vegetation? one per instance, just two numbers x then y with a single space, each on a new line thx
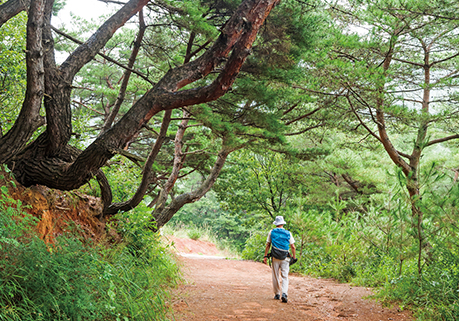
378 253
76 279
367 240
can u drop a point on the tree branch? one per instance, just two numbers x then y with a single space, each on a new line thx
408 62
165 214
134 158
138 73
443 60
444 139
85 52
312 112
92 109
141 190
177 166
127 74
290 109
304 130
361 121
352 184
383 135
11 8
319 92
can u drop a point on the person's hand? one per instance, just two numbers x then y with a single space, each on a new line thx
265 260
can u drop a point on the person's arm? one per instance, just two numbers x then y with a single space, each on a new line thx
293 250
268 245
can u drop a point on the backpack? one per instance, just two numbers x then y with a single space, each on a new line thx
280 242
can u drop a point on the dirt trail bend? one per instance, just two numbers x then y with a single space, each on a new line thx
220 289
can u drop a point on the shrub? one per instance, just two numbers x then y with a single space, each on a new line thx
194 234
433 295
76 280
255 247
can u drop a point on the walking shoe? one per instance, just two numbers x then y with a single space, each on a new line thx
277 297
284 298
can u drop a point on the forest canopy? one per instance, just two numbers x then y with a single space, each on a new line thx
340 116
149 93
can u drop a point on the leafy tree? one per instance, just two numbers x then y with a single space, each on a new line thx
257 183
351 170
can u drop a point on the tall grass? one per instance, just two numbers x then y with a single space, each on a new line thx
74 279
353 250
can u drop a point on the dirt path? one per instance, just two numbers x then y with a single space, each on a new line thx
220 289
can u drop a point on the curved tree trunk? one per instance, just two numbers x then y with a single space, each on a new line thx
46 160
29 118
50 161
141 190
163 214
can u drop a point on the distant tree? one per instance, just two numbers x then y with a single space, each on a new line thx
350 169
394 67
260 183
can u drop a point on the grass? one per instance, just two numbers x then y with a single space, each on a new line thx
76 279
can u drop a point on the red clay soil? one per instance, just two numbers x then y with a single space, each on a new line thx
57 210
221 289
199 247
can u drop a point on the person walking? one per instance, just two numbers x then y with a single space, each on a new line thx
280 240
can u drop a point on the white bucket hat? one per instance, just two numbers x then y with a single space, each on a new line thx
279 221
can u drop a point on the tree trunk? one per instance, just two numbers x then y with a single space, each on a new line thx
29 118
162 215
139 194
48 161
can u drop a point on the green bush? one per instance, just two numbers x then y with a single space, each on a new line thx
353 250
434 295
194 234
376 270
255 247
74 280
